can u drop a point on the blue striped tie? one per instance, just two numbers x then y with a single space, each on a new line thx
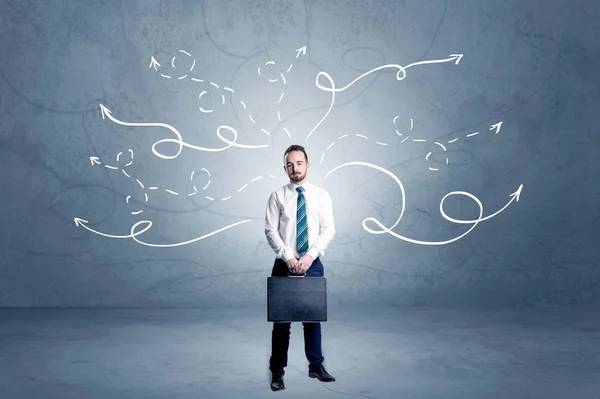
301 224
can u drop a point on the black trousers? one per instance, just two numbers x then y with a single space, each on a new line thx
280 336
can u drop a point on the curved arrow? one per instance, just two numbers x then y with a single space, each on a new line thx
515 196
106 113
83 223
400 75
133 234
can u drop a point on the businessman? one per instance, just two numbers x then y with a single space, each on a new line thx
299 227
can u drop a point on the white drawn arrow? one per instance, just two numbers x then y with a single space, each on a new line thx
154 63
301 50
83 223
95 160
106 113
452 57
515 196
496 126
401 69
133 234
400 75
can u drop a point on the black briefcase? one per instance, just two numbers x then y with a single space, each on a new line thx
296 298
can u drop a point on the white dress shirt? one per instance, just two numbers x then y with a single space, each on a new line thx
280 220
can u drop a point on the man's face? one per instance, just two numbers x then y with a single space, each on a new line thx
296 166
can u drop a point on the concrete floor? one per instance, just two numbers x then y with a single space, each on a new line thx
388 353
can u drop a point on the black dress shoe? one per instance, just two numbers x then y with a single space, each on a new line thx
321 374
277 382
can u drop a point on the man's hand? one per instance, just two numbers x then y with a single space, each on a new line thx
292 265
304 263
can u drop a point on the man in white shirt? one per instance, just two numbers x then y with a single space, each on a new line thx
299 227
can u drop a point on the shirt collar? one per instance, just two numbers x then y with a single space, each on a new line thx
292 186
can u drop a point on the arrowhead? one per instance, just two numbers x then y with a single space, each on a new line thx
79 221
496 126
517 193
105 111
457 57
301 50
153 63
95 160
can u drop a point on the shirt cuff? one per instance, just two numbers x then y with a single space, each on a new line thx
313 253
288 255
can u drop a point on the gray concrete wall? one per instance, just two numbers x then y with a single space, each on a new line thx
531 65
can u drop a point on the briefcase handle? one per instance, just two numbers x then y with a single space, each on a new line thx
296 275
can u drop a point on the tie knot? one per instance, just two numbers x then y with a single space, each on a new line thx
300 189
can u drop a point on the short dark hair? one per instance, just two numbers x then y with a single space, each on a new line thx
295 147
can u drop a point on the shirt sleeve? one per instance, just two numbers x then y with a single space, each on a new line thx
327 228
272 230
